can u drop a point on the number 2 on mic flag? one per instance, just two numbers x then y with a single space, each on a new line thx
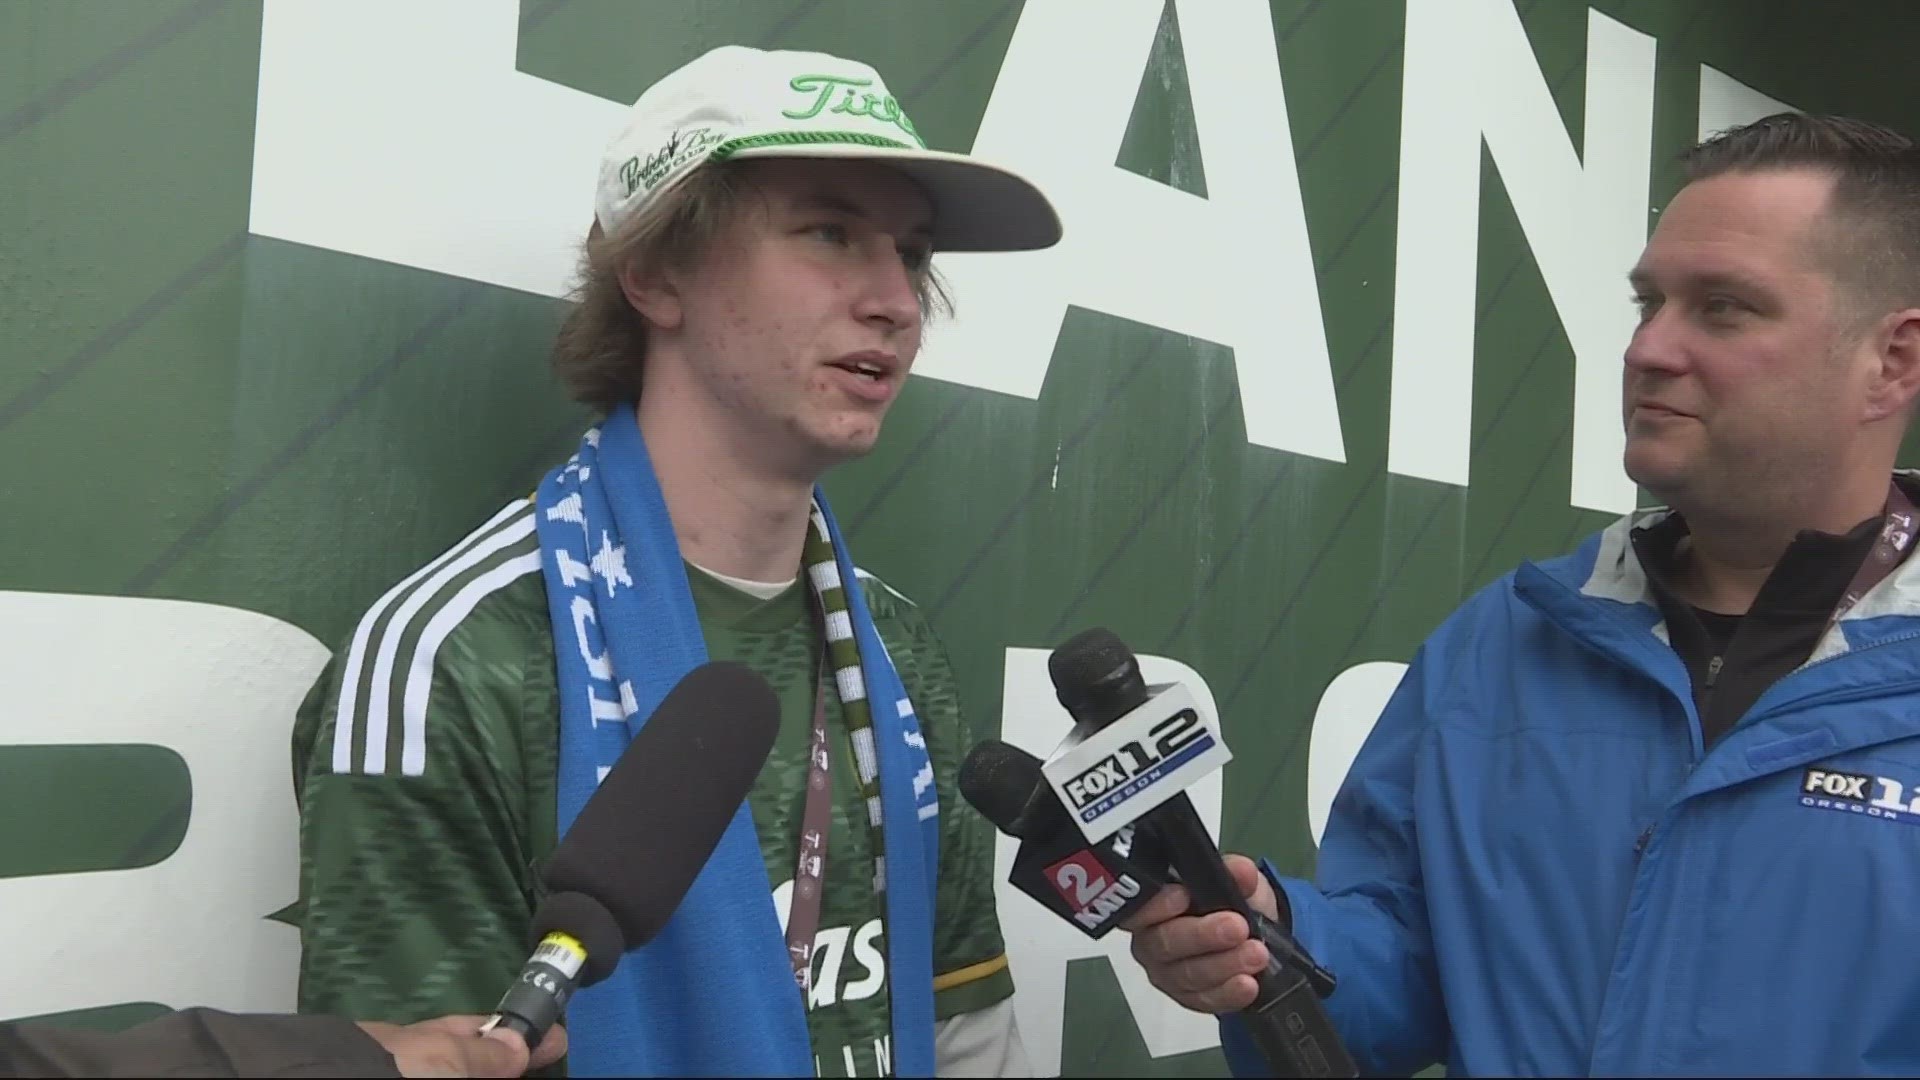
1093 894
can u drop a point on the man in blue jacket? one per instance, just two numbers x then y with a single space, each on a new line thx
1650 807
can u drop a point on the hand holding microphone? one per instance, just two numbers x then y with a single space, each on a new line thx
444 1046
1209 963
1123 772
1122 881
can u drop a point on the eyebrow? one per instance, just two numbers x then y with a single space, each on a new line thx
840 204
1711 279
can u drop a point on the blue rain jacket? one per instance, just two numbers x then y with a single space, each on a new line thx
1534 869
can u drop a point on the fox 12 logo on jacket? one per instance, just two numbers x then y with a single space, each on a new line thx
1859 793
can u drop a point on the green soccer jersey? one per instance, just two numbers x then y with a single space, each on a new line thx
425 761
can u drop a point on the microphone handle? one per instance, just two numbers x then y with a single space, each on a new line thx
528 1033
539 996
530 1006
1191 850
1287 951
1285 1019
1292 1030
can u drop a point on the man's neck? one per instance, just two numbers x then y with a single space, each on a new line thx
1731 556
728 516
1726 578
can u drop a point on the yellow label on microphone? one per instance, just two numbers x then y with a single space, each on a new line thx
563 951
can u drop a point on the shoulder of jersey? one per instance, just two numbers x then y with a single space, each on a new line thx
386 670
877 589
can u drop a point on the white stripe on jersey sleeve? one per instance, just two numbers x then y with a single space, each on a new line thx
413 705
380 696
349 700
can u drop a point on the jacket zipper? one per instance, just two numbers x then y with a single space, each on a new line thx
1713 671
1865 692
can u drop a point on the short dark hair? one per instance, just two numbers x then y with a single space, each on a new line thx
1875 201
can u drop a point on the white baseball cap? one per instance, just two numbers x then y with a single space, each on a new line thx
741 102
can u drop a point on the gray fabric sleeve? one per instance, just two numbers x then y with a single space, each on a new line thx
197 1042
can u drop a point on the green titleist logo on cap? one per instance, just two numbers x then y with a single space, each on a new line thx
881 107
683 147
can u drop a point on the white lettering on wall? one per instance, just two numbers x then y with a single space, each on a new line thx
1233 268
1471 76
1727 102
217 686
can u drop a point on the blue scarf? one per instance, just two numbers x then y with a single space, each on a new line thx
713 994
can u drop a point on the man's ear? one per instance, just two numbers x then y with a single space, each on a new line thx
653 294
1898 344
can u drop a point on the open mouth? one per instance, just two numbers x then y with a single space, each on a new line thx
866 369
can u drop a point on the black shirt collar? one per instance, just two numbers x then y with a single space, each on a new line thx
1806 583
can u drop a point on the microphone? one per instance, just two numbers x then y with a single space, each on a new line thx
1006 785
1094 886
1130 746
616 877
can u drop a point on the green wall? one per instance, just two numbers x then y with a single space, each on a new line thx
193 412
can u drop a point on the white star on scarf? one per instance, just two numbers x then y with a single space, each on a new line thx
610 564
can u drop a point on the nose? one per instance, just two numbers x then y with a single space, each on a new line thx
1656 345
890 295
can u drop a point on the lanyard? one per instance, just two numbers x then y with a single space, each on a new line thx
1889 548
816 820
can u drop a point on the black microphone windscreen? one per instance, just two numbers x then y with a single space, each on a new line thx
1089 657
1096 677
997 778
656 817
588 921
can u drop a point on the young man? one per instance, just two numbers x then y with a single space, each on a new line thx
1648 808
753 298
